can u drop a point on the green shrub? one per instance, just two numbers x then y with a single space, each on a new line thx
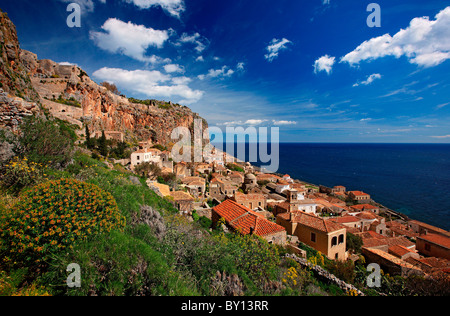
19 174
47 142
119 265
54 216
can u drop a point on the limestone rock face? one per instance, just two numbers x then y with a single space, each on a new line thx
14 78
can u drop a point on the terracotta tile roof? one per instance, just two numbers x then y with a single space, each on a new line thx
366 215
393 241
430 227
358 193
364 207
244 220
399 251
436 239
345 219
181 196
248 197
316 222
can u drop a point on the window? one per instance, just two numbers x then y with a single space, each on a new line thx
341 239
138 157
313 237
334 242
427 247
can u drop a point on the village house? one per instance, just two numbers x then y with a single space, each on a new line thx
204 168
390 263
282 186
359 197
182 170
365 207
110 135
423 228
244 221
323 235
184 202
265 177
236 177
434 245
220 188
251 201
395 229
196 186
145 155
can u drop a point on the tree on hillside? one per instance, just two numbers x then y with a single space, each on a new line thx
88 138
103 145
111 87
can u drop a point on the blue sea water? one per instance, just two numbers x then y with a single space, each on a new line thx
413 179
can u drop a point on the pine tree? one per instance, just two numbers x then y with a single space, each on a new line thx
103 146
88 138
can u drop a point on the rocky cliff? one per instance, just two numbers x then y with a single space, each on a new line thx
69 94
18 98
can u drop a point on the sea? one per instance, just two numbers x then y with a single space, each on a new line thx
413 179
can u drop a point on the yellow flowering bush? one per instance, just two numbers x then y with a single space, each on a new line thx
53 216
20 173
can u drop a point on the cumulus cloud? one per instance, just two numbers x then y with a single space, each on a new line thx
424 42
173 7
129 39
200 42
171 68
275 47
369 80
324 63
153 84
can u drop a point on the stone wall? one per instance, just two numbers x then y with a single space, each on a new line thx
324 275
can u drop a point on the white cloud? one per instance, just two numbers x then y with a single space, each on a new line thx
365 120
424 42
324 63
440 106
200 58
284 122
240 67
66 63
129 39
441 137
199 41
173 7
326 2
275 47
224 72
153 84
369 80
171 68
255 122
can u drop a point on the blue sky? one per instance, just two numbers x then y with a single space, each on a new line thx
312 68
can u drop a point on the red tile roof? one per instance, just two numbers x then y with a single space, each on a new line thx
345 219
364 207
246 221
399 251
315 222
358 193
437 239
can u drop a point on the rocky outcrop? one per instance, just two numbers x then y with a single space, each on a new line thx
101 109
14 109
14 78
